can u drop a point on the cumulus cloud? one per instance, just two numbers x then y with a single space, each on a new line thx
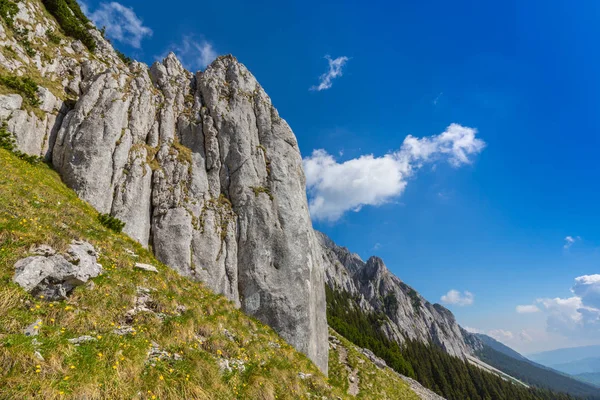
587 287
527 309
335 70
473 330
194 53
335 187
500 334
121 23
504 335
577 316
569 240
457 298
524 336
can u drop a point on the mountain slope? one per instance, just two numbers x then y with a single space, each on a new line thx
205 330
499 347
536 375
199 166
589 377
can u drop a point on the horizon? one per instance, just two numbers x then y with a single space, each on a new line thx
454 141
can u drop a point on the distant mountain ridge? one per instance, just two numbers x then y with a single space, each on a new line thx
565 355
499 347
585 365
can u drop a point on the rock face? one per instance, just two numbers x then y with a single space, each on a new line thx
378 290
199 166
54 276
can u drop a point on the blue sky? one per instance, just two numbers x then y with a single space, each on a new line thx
490 218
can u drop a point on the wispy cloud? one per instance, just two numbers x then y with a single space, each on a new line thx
569 241
335 188
527 309
193 53
121 23
437 98
335 70
457 298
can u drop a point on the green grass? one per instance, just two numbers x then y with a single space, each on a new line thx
35 208
8 10
23 85
373 383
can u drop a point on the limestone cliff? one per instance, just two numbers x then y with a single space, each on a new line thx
200 167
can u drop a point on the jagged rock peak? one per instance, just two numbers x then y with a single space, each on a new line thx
374 266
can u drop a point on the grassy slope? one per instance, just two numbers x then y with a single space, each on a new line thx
35 208
374 383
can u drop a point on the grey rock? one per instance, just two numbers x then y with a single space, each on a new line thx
54 276
34 328
227 365
379 362
39 356
420 390
124 330
155 354
8 104
82 339
146 267
229 335
303 375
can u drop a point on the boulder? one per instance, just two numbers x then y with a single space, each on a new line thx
54 276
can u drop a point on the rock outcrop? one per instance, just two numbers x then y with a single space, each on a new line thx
200 167
409 315
53 276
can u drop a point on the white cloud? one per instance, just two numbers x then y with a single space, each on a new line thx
335 70
500 334
460 299
472 330
335 188
524 336
587 287
194 53
121 23
504 335
577 316
569 240
527 309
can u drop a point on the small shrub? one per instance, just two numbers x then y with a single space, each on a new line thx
24 85
124 58
111 222
261 189
8 10
53 37
71 20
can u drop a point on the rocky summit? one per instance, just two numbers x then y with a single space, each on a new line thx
199 166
